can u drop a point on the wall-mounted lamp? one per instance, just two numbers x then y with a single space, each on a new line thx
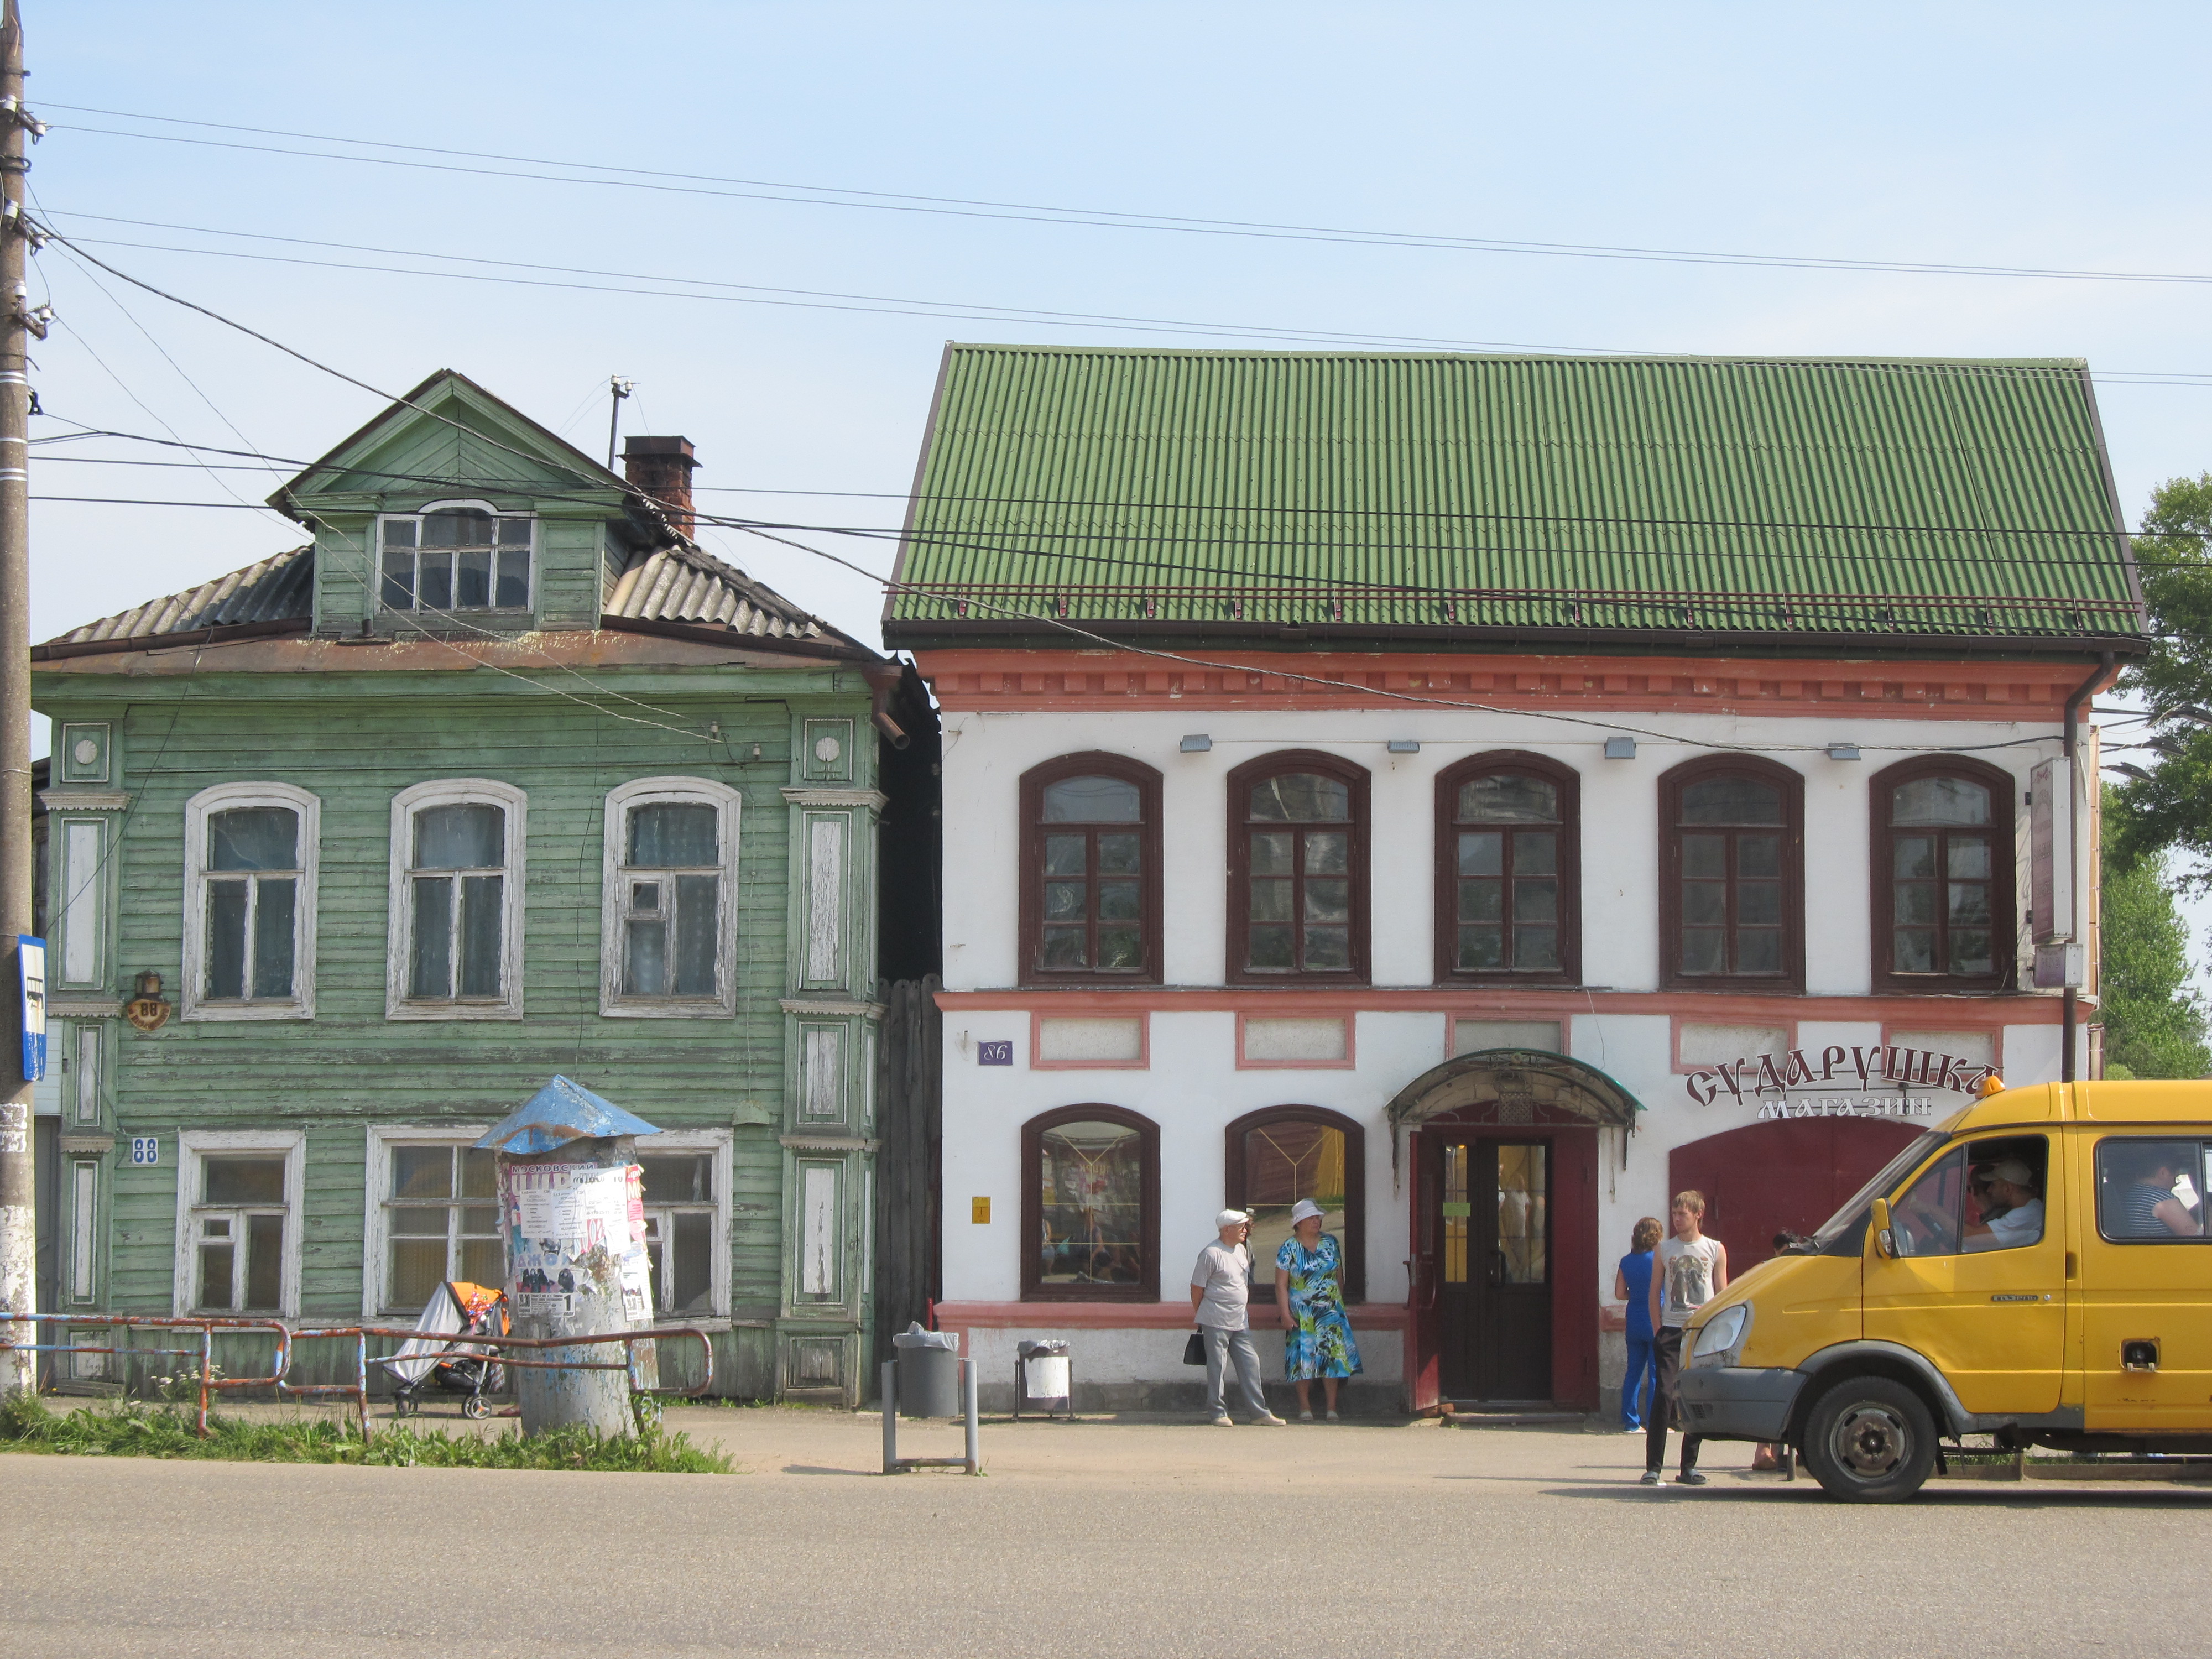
1620 749
1197 744
1843 751
1403 746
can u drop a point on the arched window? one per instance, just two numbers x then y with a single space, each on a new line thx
1297 870
668 915
1091 871
1275 1157
250 854
1942 875
1732 894
1508 871
456 901
1091 1206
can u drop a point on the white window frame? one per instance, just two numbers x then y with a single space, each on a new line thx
415 607
194 1003
614 839
193 1147
376 1229
717 1144
456 791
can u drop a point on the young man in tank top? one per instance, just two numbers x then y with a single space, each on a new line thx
1690 1270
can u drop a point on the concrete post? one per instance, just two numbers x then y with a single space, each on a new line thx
570 1209
586 1300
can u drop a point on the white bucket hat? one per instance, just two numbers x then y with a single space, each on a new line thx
1301 1209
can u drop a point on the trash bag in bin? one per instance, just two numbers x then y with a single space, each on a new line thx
1045 1382
928 1372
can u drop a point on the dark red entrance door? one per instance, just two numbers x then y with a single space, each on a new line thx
1791 1174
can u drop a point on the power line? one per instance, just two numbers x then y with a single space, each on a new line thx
291 351
684 287
1115 219
876 305
1461 703
1258 510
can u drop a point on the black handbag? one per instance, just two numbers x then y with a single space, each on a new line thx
1194 1350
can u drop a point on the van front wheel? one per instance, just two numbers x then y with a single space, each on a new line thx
1870 1440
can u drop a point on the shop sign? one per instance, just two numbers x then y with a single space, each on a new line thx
1786 1085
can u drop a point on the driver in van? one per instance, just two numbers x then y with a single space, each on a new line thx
2014 1215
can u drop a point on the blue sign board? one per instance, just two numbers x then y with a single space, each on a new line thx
31 953
995 1054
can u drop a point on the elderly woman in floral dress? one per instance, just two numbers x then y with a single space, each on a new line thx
1309 1294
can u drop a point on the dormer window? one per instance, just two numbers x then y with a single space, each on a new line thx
456 555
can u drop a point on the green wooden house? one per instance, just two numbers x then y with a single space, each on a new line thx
498 776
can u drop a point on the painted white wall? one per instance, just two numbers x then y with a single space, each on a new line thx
986 755
1193 1086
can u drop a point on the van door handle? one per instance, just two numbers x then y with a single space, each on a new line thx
2025 1295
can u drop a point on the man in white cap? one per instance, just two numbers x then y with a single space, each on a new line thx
2016 1213
1220 1288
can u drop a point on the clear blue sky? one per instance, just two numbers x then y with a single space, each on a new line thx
2041 136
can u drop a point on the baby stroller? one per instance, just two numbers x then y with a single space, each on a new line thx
439 1352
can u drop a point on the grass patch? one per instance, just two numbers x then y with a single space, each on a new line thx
130 1429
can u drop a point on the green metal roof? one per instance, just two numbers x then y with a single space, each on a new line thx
1914 503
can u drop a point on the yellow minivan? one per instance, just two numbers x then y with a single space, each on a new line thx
2037 1269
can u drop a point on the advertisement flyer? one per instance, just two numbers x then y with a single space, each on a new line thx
576 1230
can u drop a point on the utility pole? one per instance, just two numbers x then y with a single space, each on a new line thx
19 1230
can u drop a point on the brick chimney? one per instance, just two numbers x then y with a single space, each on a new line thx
661 468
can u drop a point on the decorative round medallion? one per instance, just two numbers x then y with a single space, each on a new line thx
86 751
826 751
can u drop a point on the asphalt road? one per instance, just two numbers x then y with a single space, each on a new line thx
1086 1539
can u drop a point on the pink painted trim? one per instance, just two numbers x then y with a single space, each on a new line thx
1135 1315
1349 1062
1720 1008
1142 1063
1612 1316
1454 1016
1891 1027
1682 1067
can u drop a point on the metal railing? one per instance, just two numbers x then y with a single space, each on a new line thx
210 1381
207 1328
464 1346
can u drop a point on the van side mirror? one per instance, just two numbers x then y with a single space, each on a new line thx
1883 1240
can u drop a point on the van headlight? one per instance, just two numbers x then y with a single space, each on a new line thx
1723 1332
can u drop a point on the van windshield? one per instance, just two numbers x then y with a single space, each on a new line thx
1845 1233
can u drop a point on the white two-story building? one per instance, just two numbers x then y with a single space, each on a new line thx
1485 795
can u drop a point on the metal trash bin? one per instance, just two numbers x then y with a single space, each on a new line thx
1045 1381
928 1372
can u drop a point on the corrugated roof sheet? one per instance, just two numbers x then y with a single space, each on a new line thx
683 585
277 589
1906 497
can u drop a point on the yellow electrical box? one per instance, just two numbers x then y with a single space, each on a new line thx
979 1212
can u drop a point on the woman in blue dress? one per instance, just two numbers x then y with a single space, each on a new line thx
1309 1294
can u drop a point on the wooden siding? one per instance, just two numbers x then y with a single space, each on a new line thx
356 745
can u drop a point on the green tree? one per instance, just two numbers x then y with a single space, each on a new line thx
2173 807
2154 1025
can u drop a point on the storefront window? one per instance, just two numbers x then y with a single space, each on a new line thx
1286 1153
1091 1206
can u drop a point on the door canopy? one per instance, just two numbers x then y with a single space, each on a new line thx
1512 1087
